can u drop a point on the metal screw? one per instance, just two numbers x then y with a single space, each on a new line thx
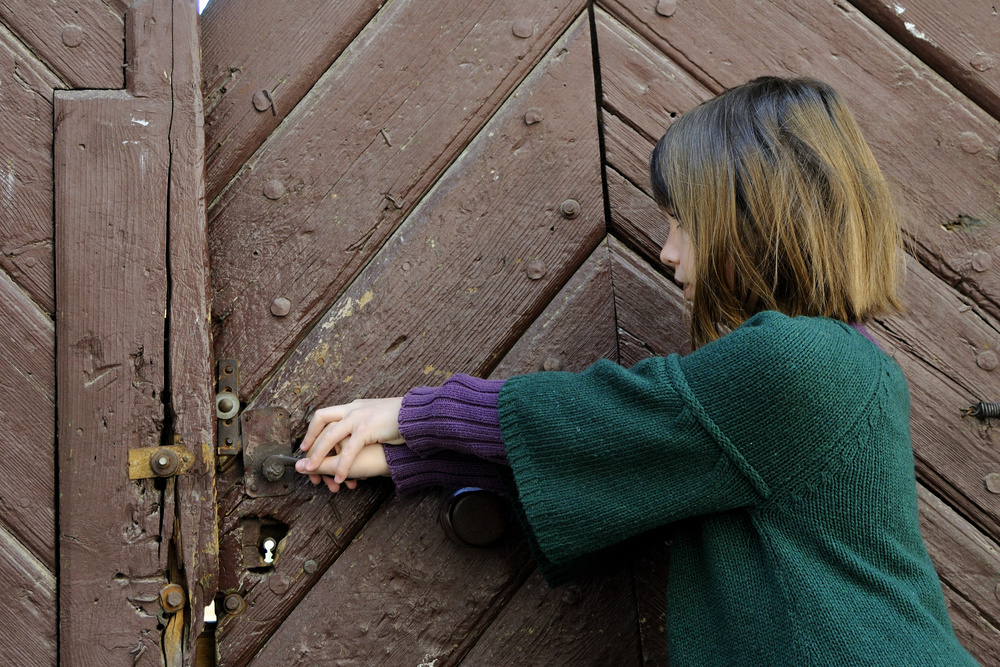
666 7
993 482
72 36
551 364
234 604
164 462
536 269
987 360
310 566
533 116
981 261
273 189
172 598
570 209
281 306
970 142
523 28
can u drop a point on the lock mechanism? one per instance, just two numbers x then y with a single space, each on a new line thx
263 435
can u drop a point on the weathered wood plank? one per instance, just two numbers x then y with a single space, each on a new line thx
352 168
27 422
960 40
260 45
26 197
451 292
28 619
589 622
111 162
635 218
937 147
81 40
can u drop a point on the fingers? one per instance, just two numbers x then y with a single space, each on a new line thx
346 458
320 420
330 439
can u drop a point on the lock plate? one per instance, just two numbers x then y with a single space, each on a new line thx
265 432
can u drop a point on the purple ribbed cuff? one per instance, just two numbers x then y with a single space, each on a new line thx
411 472
459 416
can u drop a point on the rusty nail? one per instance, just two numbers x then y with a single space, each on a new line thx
533 116
982 61
172 598
310 566
993 482
72 36
551 364
987 360
164 462
571 595
278 583
229 441
523 28
261 100
406 266
234 604
666 7
280 306
273 189
570 209
970 142
981 261
536 269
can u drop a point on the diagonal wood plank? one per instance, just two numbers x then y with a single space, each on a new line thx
28 620
352 167
289 45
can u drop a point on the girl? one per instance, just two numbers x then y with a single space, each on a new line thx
783 438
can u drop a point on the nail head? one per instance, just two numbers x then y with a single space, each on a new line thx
234 603
970 142
536 269
261 100
72 36
987 360
533 116
982 61
29 262
666 7
552 364
523 28
993 482
273 189
569 209
278 584
981 261
281 306
310 566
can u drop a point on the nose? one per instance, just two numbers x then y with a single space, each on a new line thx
669 254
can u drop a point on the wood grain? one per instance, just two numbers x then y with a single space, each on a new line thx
450 292
916 123
26 175
80 40
111 162
346 186
27 422
261 45
959 40
28 619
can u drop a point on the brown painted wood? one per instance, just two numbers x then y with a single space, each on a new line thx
28 619
261 45
80 40
450 292
340 175
959 40
27 422
589 622
26 176
916 123
635 218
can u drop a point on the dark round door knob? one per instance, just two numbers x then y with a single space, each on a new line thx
475 517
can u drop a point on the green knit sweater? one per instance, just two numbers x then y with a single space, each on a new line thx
786 444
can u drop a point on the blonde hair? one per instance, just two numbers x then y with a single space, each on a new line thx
785 206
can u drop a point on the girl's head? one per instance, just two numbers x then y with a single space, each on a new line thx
784 206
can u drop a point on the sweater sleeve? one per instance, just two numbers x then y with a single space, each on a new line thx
600 456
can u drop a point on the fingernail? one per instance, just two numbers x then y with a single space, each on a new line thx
300 466
338 479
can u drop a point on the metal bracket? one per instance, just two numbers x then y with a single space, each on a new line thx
227 389
267 452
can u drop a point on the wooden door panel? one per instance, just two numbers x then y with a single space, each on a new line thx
353 166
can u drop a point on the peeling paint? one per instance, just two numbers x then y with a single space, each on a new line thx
899 10
137 121
912 29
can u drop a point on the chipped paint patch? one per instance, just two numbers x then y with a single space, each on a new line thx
912 29
899 10
428 369
137 121
365 299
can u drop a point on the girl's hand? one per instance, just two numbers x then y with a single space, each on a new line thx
347 429
370 462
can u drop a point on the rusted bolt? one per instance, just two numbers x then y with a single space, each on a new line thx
72 36
987 360
262 100
29 262
281 306
533 116
234 604
970 142
310 566
666 7
551 364
993 482
172 598
981 261
982 61
536 269
164 462
523 28
273 189
278 583
570 209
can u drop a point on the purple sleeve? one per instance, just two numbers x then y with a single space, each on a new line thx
452 435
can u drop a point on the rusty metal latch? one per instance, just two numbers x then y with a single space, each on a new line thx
263 435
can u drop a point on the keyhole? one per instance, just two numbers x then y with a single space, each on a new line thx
268 547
